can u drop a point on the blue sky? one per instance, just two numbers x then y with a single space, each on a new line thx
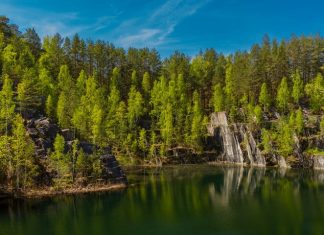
185 25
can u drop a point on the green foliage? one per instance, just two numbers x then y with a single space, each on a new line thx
197 120
138 104
97 125
229 85
298 87
218 98
23 151
59 161
283 95
299 121
264 97
267 140
17 156
258 114
284 139
315 91
146 83
50 107
322 125
7 105
135 107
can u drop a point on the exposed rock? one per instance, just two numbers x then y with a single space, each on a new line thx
281 162
43 133
111 169
67 134
220 129
318 162
253 153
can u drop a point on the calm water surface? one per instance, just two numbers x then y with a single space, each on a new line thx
190 200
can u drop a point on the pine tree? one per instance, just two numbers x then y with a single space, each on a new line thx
63 111
266 138
283 95
97 128
264 97
50 107
135 107
59 160
23 151
7 105
146 83
298 87
315 92
196 126
81 83
218 98
6 159
258 114
65 81
134 81
142 142
229 85
166 123
285 140
299 121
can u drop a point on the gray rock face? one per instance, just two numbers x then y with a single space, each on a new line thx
253 153
318 162
111 170
220 129
43 133
282 162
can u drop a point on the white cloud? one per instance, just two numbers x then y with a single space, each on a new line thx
155 29
49 23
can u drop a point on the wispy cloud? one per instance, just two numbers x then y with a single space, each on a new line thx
48 22
155 29
150 25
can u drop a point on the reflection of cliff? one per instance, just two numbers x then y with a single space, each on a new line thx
236 180
182 200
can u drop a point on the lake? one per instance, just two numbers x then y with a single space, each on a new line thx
190 200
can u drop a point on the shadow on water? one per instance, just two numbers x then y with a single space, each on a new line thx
182 200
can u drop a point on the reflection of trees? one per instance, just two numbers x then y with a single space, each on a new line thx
265 201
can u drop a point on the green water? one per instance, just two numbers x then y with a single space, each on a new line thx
182 200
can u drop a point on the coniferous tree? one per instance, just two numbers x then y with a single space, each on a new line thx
315 91
264 97
7 105
196 126
218 98
283 95
23 151
299 121
297 90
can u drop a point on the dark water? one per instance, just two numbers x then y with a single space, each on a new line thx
182 200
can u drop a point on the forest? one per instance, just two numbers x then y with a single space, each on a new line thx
141 105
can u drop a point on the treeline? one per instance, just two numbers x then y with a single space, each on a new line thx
142 105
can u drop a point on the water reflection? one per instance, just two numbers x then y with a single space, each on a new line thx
182 200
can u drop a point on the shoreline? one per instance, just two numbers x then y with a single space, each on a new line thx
51 192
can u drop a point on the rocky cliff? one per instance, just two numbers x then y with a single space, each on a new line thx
43 133
238 145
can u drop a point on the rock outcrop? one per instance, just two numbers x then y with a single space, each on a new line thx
237 142
318 162
252 154
219 128
43 133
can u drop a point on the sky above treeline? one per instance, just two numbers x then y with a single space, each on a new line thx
185 25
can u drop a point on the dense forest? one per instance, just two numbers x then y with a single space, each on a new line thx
142 105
